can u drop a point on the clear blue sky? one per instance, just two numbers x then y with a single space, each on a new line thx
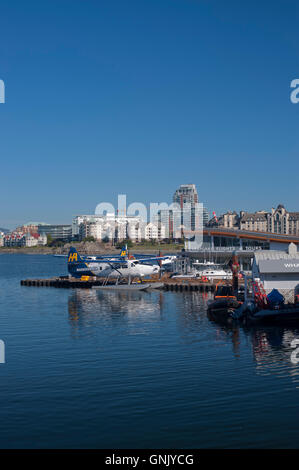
139 96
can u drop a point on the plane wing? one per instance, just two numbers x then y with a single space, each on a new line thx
156 258
106 261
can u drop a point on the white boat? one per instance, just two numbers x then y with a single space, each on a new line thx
207 270
211 270
218 273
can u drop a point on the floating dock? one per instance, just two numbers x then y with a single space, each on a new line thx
73 283
60 282
190 286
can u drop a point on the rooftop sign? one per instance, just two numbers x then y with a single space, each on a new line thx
290 265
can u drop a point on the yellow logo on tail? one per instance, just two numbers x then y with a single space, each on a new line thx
73 257
123 253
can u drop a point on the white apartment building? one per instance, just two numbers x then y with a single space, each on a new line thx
111 226
154 231
34 240
117 228
24 239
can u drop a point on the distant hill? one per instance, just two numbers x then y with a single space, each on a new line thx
5 230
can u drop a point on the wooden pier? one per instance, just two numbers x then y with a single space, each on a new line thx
73 283
61 282
188 286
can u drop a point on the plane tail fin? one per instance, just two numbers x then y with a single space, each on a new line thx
124 252
73 256
75 263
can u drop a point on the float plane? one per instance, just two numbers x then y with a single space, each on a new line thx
111 267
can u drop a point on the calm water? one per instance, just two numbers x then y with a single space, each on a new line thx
116 370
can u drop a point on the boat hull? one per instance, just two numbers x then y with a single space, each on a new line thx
223 309
284 315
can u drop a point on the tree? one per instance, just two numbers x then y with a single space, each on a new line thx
89 239
49 240
127 242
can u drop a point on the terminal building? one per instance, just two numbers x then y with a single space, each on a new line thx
278 270
219 243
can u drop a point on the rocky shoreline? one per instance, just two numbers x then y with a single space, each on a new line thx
86 248
83 247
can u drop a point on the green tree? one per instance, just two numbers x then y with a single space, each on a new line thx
89 239
127 242
49 240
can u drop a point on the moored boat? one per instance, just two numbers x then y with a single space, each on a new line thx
289 313
225 305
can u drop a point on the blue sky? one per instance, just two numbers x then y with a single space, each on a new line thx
139 96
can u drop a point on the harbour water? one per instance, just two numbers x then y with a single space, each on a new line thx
136 370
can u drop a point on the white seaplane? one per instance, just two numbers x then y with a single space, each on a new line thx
112 268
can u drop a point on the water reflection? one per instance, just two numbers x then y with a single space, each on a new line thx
190 311
270 346
89 309
272 350
140 313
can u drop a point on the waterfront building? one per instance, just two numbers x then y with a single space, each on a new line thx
154 231
31 227
282 221
231 219
186 197
279 221
169 222
227 220
14 239
108 226
293 223
34 239
242 221
219 243
18 239
82 219
278 270
91 229
57 232
257 221
2 239
117 228
186 193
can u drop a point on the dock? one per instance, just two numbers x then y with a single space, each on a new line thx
65 282
61 282
190 286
